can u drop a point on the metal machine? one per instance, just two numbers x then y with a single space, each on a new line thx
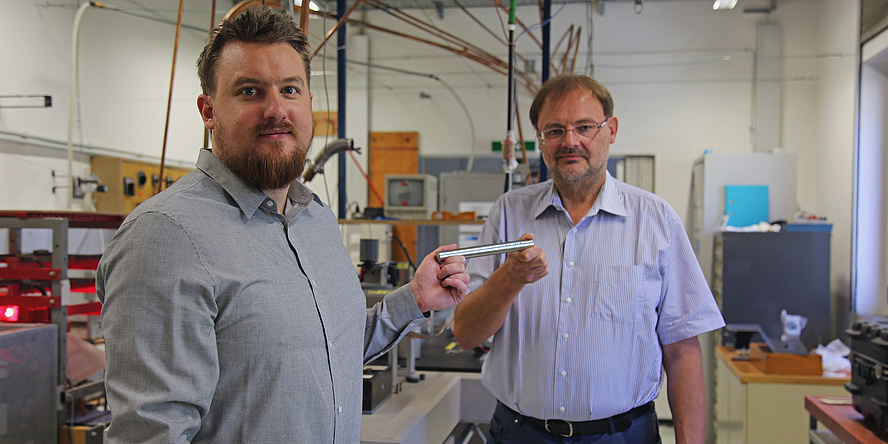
40 291
377 279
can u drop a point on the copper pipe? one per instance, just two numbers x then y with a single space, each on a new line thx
495 64
247 4
206 140
428 27
573 63
166 127
529 83
475 19
335 27
483 57
303 17
558 47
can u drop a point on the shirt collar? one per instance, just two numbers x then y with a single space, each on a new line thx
609 199
247 198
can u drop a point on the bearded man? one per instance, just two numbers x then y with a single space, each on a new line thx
231 310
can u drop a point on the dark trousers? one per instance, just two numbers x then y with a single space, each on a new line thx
508 427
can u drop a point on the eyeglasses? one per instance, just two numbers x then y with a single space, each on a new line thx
554 136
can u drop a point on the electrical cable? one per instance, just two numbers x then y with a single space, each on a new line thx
468 117
406 253
590 66
444 327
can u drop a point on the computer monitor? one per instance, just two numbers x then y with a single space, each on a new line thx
410 196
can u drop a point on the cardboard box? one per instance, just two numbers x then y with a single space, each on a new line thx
93 434
761 356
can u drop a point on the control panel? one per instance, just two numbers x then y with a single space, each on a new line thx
130 182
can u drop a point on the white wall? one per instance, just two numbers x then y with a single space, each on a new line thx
681 75
837 25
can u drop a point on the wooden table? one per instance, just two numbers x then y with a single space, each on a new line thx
845 423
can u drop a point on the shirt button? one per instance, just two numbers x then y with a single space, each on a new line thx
570 264
566 336
269 203
569 299
340 409
562 408
563 373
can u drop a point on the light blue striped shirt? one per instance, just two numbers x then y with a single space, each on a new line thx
585 341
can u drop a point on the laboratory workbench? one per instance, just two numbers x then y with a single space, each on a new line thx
843 423
754 407
427 412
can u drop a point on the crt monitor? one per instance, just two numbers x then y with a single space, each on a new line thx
410 196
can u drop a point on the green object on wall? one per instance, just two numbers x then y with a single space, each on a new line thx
529 145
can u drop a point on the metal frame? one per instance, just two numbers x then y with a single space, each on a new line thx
57 275
58 311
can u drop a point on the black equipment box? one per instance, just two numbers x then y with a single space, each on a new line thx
869 370
377 387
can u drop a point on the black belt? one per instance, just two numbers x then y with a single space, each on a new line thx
614 424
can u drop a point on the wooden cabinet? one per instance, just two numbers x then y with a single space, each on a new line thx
393 153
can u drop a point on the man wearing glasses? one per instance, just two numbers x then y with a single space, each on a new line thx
617 293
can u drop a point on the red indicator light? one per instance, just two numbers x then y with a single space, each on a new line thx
9 313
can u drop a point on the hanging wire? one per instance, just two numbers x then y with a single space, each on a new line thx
514 110
590 66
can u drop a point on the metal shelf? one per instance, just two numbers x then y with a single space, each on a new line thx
48 274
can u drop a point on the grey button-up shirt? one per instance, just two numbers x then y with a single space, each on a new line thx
225 321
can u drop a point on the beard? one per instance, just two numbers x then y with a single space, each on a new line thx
566 172
261 170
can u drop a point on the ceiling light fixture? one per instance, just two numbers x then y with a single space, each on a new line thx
724 4
312 6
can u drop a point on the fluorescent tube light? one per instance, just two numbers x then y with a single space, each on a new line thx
724 4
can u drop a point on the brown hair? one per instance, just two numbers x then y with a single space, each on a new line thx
558 87
255 25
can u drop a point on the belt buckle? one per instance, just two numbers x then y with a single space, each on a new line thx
569 428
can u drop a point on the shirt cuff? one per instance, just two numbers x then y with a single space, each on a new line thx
402 307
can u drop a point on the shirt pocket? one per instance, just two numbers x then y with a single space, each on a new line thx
616 292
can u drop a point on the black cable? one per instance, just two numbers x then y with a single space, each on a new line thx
407 253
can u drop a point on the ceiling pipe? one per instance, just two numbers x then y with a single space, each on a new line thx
72 105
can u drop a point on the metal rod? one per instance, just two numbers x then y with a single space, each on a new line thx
547 36
484 250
